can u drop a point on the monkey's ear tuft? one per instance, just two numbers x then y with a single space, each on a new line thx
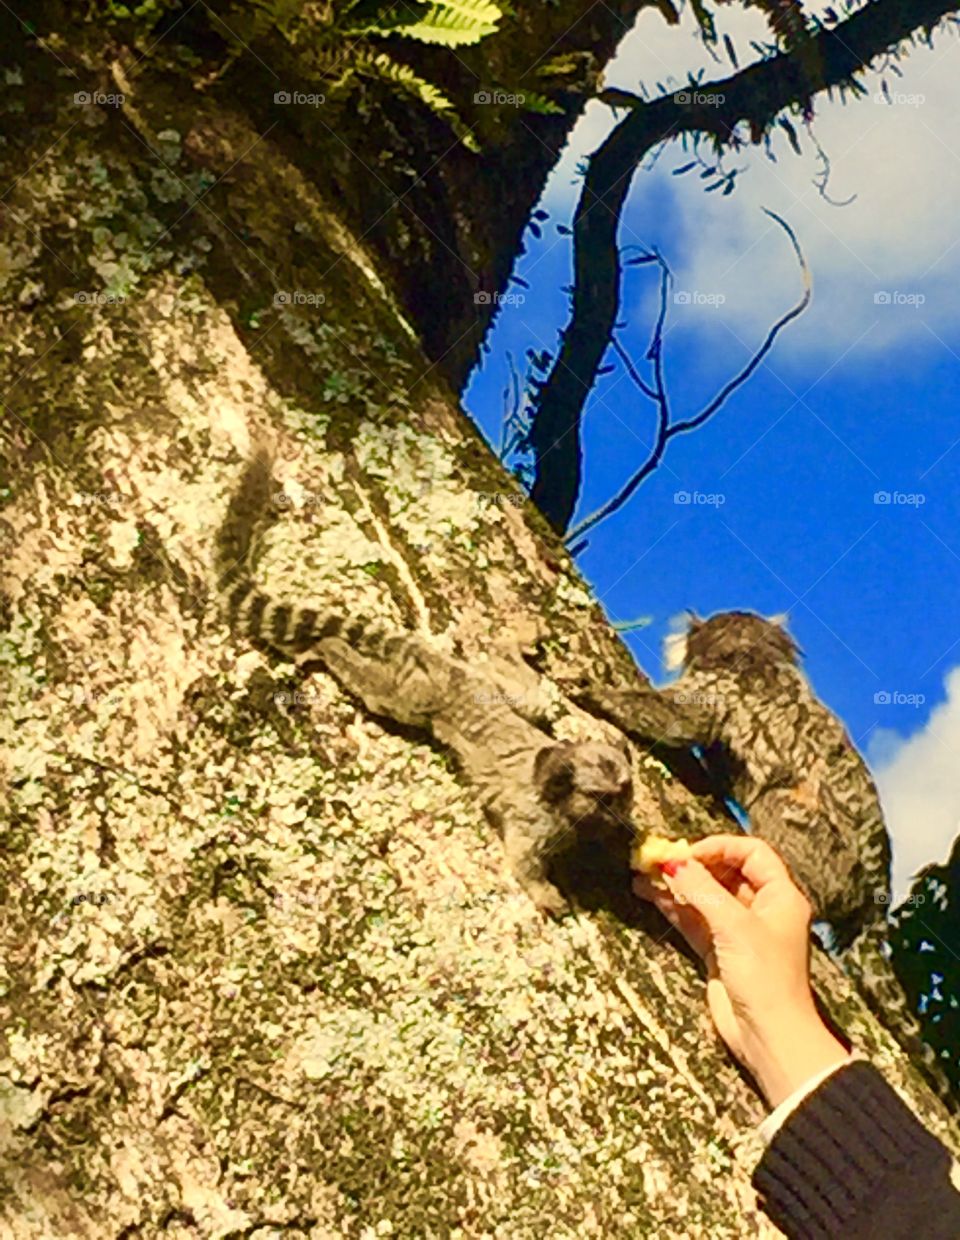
781 620
553 770
674 651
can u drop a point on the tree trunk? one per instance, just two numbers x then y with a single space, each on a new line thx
264 971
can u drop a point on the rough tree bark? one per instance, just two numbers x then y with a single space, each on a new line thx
262 970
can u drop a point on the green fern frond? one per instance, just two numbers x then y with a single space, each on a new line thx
384 66
452 23
533 102
561 66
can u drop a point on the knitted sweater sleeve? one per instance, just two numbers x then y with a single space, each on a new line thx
853 1161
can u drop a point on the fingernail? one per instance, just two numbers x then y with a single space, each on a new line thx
671 867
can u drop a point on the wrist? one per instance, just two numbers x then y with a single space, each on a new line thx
785 1058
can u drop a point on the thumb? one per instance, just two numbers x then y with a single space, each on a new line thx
692 883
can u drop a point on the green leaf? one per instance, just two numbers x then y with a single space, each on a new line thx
384 66
450 22
626 626
791 134
561 66
533 102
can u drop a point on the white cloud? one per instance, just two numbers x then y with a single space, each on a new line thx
898 237
920 787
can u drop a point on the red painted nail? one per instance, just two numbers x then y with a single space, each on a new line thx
671 867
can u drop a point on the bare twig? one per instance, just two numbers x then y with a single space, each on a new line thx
511 411
666 431
631 369
822 179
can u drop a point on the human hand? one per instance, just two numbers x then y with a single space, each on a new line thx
737 906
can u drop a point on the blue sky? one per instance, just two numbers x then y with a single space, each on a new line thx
858 397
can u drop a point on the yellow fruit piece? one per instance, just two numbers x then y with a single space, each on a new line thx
649 855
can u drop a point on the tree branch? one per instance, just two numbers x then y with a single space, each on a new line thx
753 96
666 432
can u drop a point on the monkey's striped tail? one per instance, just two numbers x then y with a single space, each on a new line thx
867 965
294 628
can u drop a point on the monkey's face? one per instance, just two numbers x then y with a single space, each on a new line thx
586 781
739 641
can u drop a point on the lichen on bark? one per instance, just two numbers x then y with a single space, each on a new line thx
263 971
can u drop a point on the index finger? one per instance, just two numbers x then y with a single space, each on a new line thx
759 864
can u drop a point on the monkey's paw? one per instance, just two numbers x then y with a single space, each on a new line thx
548 900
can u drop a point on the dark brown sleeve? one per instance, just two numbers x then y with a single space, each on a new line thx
853 1161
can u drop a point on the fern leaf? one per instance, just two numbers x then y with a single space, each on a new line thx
475 10
384 66
561 66
540 103
450 22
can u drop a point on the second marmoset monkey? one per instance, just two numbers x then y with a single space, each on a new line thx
787 760
776 750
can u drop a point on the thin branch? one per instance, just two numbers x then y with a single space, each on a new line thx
698 420
511 414
665 431
631 369
822 179
659 394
